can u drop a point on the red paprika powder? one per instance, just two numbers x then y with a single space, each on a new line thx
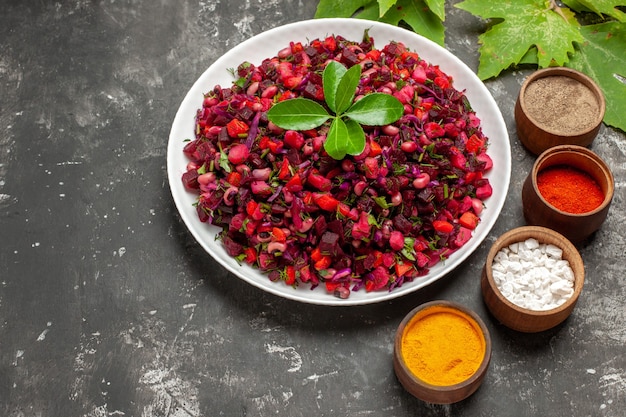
569 189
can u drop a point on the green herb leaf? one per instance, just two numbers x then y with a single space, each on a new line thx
241 82
298 114
334 145
376 109
344 137
347 88
409 244
224 161
333 73
380 200
355 142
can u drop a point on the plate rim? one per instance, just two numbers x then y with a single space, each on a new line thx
325 27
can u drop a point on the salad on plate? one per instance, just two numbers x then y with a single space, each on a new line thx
360 200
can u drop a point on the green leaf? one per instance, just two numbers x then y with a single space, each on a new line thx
414 13
602 58
438 8
333 73
355 142
346 8
298 114
334 144
369 11
344 137
599 7
530 57
519 26
376 109
417 15
384 6
347 88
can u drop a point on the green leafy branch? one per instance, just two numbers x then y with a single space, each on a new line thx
346 135
587 35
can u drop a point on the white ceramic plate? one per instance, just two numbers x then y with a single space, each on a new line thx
268 44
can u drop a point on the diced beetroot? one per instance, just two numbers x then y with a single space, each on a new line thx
190 180
238 154
380 278
388 259
233 248
484 191
237 221
371 168
458 160
260 188
305 274
203 215
266 261
294 139
190 148
463 235
361 229
465 204
483 157
329 243
421 259
396 240
434 130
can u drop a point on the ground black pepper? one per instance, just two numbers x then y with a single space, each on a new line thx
561 104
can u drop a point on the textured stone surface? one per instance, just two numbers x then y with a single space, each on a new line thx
108 307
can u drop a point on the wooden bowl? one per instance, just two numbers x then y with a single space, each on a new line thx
465 383
523 319
539 212
550 113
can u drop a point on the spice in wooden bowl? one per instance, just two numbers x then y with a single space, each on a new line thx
441 352
558 106
561 104
569 189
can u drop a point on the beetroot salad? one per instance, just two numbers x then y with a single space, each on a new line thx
367 222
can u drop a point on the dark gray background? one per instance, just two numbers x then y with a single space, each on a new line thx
108 307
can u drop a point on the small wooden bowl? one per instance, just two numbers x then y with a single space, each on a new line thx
575 227
440 394
523 319
577 124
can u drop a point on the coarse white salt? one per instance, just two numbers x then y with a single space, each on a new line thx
533 275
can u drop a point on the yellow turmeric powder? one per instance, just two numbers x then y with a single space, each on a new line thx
443 346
